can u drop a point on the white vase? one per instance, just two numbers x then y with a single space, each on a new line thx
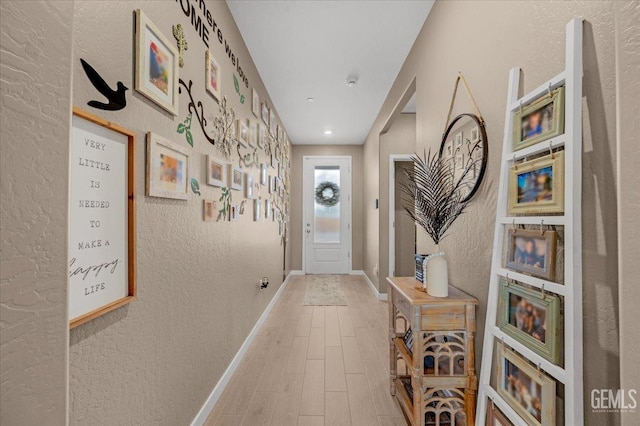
438 276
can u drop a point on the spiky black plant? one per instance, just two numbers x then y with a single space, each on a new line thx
432 195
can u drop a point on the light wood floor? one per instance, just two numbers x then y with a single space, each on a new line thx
315 365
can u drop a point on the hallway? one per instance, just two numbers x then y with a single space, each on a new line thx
315 365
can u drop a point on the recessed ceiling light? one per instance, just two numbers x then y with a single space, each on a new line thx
328 132
310 99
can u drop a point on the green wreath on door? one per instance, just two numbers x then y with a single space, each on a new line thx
327 194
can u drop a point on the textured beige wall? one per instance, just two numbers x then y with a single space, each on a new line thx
35 56
491 38
400 139
156 360
628 82
297 153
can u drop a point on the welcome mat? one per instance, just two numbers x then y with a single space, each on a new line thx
322 290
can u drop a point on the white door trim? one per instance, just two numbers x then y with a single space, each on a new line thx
304 207
393 158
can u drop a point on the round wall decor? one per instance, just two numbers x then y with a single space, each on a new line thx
327 194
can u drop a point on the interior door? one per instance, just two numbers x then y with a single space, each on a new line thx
327 215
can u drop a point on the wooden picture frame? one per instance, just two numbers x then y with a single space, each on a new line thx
168 168
255 103
215 172
242 132
104 188
548 113
495 417
209 210
537 186
213 76
512 367
157 74
235 178
531 318
532 252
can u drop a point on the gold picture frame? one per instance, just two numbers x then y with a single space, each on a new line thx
540 120
537 186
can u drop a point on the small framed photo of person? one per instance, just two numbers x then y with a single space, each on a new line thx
532 252
540 120
537 186
531 318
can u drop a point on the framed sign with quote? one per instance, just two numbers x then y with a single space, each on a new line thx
102 217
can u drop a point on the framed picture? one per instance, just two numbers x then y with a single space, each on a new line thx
255 103
263 174
215 172
261 131
272 122
209 210
212 76
235 177
459 140
529 392
267 209
253 134
102 276
475 134
495 417
532 252
257 210
242 132
274 160
248 186
537 186
234 214
540 120
265 114
531 318
272 184
168 169
156 65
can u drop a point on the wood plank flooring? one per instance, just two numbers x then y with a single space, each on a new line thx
315 365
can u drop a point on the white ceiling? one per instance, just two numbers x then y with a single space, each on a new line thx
308 49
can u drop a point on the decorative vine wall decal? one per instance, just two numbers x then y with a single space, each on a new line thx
224 124
195 186
197 109
237 86
225 202
178 34
185 127
248 160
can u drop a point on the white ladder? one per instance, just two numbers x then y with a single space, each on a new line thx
571 140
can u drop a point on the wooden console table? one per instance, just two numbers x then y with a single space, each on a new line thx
434 380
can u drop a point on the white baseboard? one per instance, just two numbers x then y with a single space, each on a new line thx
376 293
206 409
296 272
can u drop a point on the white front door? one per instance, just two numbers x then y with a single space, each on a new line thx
327 215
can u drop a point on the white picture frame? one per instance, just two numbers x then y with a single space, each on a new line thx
215 172
255 103
242 132
257 210
213 74
168 168
236 176
248 186
153 80
263 174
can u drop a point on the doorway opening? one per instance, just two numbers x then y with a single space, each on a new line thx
326 214
402 230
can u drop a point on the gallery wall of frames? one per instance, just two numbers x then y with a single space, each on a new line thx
179 198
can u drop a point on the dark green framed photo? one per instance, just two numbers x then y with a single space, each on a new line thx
531 318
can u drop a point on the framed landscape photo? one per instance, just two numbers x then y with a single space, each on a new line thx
168 169
540 120
212 76
209 210
530 393
215 172
537 186
156 65
235 177
255 103
102 217
531 318
532 252
242 133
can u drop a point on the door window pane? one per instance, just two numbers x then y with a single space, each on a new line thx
326 206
